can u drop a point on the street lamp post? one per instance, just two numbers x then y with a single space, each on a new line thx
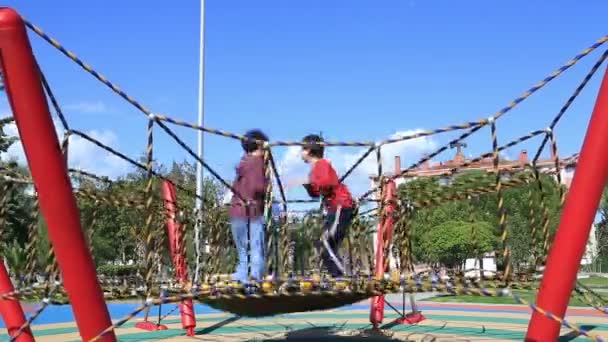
199 166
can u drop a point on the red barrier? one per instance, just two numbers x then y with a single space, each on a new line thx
577 217
178 255
11 310
49 173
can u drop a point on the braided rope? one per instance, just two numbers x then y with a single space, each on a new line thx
287 256
551 77
596 303
348 259
539 255
358 162
92 224
270 229
501 209
6 194
474 242
532 218
561 321
27 324
54 102
52 268
571 99
425 159
424 202
510 144
147 229
357 249
558 174
389 212
216 242
181 247
31 246
403 239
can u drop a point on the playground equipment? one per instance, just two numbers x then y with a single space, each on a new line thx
27 90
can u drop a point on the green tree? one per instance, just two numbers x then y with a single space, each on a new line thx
463 201
601 233
451 242
5 140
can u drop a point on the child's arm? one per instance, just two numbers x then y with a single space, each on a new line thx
322 177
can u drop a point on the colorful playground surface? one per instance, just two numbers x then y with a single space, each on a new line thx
445 322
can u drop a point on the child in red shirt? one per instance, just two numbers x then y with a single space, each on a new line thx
324 182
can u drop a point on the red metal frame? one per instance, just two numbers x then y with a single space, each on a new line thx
49 173
384 233
577 217
11 310
176 242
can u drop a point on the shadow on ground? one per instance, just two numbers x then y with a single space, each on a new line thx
331 334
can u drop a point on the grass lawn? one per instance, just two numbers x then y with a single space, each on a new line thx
529 296
595 282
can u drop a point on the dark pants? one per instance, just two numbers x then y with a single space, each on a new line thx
334 241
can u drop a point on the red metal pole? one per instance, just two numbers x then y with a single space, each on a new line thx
177 253
49 173
11 310
577 217
384 233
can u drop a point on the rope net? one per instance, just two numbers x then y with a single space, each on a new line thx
296 282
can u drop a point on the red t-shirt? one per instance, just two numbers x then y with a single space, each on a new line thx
325 182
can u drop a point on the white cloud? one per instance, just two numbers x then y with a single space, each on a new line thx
342 158
82 154
88 107
291 165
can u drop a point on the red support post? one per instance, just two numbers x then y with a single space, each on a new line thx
178 254
11 310
384 234
577 217
51 180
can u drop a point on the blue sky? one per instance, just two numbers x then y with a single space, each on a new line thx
355 70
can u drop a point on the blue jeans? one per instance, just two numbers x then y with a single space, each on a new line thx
239 234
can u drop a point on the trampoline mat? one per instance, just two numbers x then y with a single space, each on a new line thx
260 306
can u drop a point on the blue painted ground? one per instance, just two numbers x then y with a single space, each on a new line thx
63 313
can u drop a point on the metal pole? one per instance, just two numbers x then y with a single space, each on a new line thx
47 167
575 224
199 166
11 310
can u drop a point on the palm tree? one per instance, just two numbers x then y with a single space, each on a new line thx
16 257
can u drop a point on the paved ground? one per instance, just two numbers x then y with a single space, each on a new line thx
445 322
